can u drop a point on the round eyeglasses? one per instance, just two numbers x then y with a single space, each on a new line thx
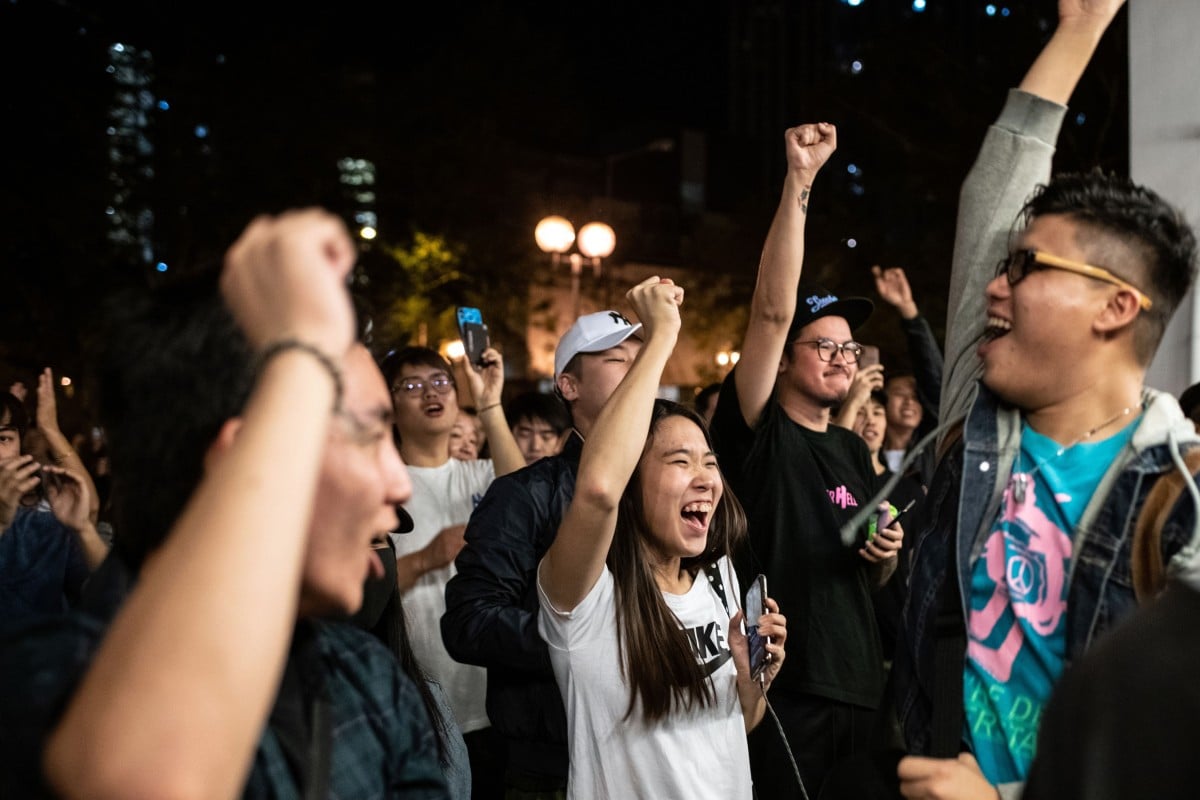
440 383
828 348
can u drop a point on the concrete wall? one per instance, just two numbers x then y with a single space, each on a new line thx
1164 140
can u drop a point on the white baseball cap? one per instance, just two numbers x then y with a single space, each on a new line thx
593 333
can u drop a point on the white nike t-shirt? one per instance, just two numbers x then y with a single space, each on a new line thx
443 496
695 754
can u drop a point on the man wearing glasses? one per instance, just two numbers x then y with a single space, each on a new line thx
800 479
1025 553
445 492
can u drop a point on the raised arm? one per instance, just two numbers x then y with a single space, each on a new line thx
61 451
487 385
1014 159
774 302
575 561
1057 69
892 285
179 691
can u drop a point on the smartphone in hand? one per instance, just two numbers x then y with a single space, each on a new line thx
757 642
474 334
869 356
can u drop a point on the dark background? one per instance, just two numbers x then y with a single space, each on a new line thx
482 117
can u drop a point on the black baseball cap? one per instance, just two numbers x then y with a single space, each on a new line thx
814 302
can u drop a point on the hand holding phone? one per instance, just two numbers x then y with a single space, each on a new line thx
474 334
890 517
869 356
757 643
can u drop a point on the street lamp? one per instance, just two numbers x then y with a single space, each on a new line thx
595 242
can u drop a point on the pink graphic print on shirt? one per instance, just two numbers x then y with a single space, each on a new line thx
1029 576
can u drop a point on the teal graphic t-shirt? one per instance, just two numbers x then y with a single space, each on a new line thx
1017 616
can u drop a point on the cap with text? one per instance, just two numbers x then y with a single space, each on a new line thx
593 333
814 302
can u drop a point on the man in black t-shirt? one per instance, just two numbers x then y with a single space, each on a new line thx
800 479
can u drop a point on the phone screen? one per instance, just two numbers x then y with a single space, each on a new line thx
757 642
474 333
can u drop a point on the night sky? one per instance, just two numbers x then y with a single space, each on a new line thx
481 117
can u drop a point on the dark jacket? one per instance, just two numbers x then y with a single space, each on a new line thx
967 490
492 607
380 739
927 364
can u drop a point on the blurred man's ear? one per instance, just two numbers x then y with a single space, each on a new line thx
567 386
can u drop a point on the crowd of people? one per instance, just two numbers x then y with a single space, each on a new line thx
334 572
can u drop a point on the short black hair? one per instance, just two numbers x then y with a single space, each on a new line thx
536 405
408 355
1114 206
173 369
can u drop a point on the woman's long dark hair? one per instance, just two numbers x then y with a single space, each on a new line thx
391 628
658 661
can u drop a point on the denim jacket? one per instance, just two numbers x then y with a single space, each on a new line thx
963 501
964 497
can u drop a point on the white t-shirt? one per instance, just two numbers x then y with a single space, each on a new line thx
443 496
894 458
697 754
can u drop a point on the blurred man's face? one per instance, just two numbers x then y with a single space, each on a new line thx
903 408
10 441
871 424
426 402
362 480
535 438
598 377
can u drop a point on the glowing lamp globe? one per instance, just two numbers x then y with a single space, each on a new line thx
597 240
554 234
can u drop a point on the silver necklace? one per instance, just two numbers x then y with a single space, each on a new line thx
1019 482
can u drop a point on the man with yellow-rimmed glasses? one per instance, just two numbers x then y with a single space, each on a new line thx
1022 558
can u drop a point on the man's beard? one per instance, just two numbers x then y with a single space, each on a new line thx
830 401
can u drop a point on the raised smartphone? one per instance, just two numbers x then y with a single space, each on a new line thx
474 334
757 642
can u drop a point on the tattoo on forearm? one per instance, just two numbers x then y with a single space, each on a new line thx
804 199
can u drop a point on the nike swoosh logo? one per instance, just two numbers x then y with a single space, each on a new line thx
718 662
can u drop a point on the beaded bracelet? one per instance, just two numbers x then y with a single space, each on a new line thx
283 345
